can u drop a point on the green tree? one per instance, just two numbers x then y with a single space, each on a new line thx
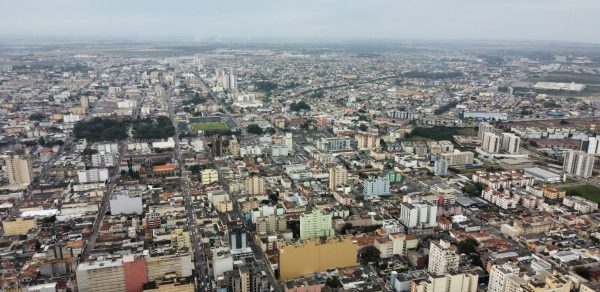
370 254
254 129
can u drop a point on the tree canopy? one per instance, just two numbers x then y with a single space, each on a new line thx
100 129
159 128
298 106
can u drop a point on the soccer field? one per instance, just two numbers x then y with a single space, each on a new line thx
209 126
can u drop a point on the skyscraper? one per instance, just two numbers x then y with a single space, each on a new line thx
579 163
338 176
442 258
18 170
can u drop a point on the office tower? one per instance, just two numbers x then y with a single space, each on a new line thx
484 128
316 223
499 276
510 143
579 163
338 176
491 143
317 255
442 258
376 187
418 214
84 100
18 170
440 167
254 185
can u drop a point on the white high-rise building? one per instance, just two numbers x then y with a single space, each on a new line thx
442 258
510 143
499 276
491 143
230 82
484 128
418 214
592 145
579 163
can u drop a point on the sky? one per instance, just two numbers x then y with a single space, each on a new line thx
196 20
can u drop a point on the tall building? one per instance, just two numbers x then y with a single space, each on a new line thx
491 143
442 258
458 157
453 282
376 187
209 176
579 163
245 279
367 140
230 82
234 147
440 167
317 255
499 276
591 145
316 224
418 215
84 101
484 128
510 143
18 170
338 176
254 185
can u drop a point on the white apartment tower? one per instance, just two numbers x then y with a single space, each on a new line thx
499 276
491 143
442 258
579 163
510 143
484 128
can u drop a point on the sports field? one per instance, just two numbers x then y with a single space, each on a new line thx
208 126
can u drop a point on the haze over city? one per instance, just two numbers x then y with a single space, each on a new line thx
310 20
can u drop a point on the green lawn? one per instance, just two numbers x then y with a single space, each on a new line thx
589 192
209 126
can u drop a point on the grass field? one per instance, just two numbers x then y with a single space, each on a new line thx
209 126
589 192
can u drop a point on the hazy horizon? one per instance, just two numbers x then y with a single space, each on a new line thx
445 20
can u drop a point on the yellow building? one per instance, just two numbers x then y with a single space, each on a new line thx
312 256
180 238
254 185
18 170
553 193
209 176
170 284
18 226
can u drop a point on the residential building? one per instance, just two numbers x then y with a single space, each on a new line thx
579 163
440 167
395 244
580 204
18 170
458 157
209 176
484 128
491 143
510 143
376 187
451 282
418 214
338 176
499 276
254 185
367 141
316 223
442 258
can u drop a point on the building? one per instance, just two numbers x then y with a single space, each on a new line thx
338 176
254 185
93 175
458 157
170 283
499 276
591 145
440 167
578 163
510 143
484 128
18 170
245 279
442 258
316 224
418 215
376 187
18 226
491 143
451 282
542 175
209 176
580 204
395 244
126 202
84 101
271 224
311 256
229 82
367 141
335 144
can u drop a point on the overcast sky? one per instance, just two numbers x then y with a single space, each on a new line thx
554 20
